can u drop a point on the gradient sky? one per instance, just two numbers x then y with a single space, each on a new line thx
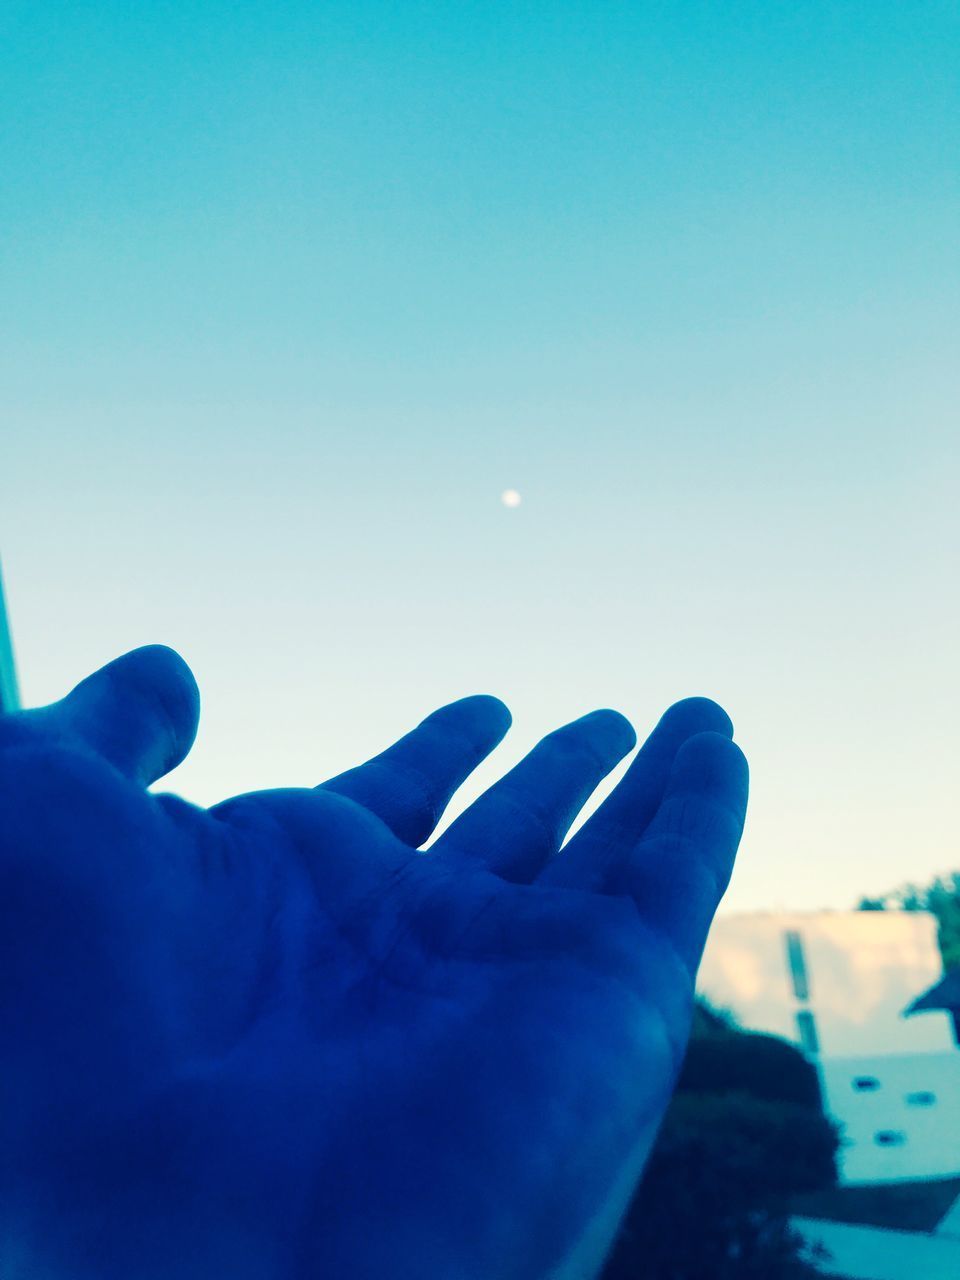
292 292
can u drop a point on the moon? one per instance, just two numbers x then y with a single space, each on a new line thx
510 498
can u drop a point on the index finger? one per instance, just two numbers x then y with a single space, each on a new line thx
409 784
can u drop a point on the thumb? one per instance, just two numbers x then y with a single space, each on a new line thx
139 712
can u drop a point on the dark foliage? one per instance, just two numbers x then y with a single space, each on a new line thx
744 1133
708 1020
765 1067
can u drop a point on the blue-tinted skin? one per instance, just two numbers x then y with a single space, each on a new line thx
271 1039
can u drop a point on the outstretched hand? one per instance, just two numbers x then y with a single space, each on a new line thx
273 1039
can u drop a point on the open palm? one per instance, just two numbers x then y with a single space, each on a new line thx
276 1039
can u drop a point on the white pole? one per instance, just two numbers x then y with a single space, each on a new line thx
9 693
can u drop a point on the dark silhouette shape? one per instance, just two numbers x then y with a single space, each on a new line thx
743 1137
273 1039
942 996
765 1066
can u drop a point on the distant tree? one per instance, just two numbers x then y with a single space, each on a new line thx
745 1133
941 897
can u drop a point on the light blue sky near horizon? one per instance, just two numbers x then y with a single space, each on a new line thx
291 293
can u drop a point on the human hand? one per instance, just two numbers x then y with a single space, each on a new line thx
273 1039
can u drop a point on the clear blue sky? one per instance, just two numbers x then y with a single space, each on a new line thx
291 292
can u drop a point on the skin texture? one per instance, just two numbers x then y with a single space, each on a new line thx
274 1039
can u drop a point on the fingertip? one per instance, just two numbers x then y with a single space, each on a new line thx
709 761
158 675
480 715
617 729
695 715
164 672
141 711
491 708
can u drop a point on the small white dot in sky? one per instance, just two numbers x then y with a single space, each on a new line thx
510 498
